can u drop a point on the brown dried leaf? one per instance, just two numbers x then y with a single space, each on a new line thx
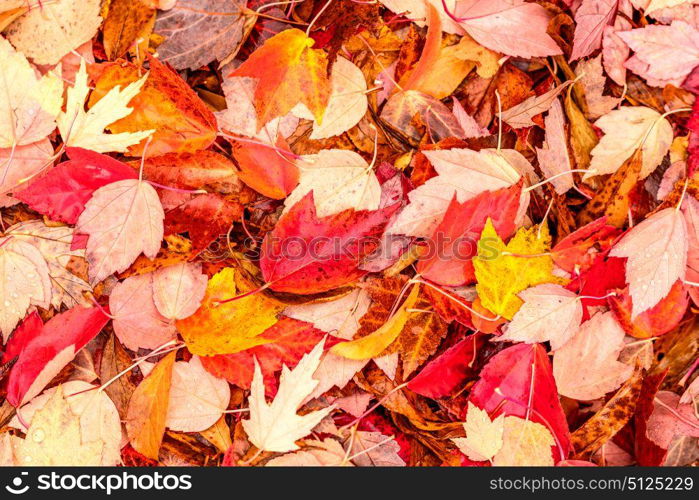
612 199
609 420
114 360
127 21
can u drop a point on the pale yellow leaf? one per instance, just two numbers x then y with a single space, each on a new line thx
348 101
626 130
85 129
339 179
276 426
24 280
525 443
98 417
28 104
484 437
51 29
54 438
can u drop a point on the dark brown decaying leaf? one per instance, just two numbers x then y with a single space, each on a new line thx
198 31
684 450
115 359
676 352
402 109
582 136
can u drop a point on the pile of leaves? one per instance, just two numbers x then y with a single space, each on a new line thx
344 232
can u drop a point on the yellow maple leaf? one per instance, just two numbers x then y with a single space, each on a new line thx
229 327
85 129
30 103
503 270
525 443
54 438
483 435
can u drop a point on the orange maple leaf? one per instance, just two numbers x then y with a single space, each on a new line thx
288 71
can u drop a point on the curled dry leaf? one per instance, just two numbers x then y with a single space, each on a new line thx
592 81
553 157
521 115
402 107
610 419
